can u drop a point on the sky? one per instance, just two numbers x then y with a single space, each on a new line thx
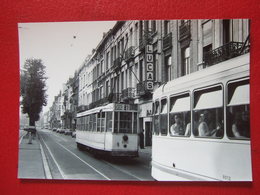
62 46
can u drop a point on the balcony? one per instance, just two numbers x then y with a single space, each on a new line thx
145 40
114 97
184 30
128 93
141 89
82 108
225 52
98 103
117 64
167 41
129 54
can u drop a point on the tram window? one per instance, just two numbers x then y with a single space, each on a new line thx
116 122
156 118
84 121
208 120
90 122
94 122
125 124
238 112
87 123
109 121
164 117
179 116
101 121
135 123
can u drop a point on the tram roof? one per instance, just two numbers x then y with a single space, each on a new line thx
214 72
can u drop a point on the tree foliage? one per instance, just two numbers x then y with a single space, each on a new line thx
33 88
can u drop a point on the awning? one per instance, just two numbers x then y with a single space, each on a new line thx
213 99
181 105
240 96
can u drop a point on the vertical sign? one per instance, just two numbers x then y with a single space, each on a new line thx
149 67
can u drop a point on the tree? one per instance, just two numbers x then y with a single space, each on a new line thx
33 89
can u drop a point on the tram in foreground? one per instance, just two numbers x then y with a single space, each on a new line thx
201 129
109 129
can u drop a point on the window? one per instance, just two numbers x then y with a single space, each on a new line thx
135 123
94 120
208 113
153 26
116 121
87 123
179 116
207 36
90 122
125 124
156 123
168 62
166 27
164 117
185 55
226 31
238 112
101 121
109 122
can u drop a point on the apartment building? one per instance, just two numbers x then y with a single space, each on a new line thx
134 58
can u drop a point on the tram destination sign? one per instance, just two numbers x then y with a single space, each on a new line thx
125 107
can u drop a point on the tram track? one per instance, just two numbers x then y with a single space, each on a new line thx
111 171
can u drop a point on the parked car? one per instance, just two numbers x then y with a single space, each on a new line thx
62 131
68 132
54 129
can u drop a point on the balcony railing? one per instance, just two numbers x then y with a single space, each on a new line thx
114 97
117 63
128 93
184 30
129 54
225 52
167 41
82 108
141 89
98 103
145 40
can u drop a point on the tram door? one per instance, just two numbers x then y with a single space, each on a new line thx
148 133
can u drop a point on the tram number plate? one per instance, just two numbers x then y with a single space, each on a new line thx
226 177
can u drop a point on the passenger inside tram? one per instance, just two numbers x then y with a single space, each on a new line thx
241 125
177 127
207 125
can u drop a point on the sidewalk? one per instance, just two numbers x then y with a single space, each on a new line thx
30 164
147 150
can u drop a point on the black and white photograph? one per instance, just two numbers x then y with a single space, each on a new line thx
136 100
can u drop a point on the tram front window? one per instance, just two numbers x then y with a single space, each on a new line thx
208 119
238 112
125 125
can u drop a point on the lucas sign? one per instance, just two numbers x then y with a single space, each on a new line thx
149 67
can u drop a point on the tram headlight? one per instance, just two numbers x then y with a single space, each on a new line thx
125 138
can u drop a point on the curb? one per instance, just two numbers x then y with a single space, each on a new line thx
46 167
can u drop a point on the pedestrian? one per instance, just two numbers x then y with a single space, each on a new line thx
141 137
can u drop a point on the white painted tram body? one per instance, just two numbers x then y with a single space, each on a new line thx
221 93
110 129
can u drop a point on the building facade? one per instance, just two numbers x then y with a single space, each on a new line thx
135 57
